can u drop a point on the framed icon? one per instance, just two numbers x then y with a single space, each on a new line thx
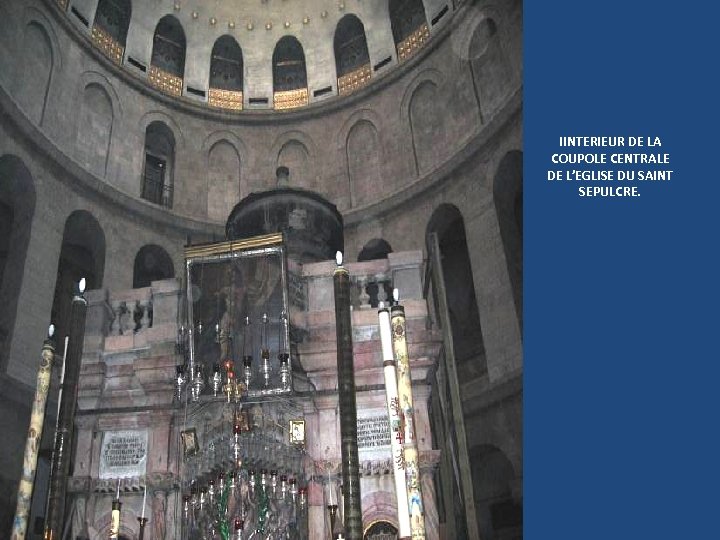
189 442
297 432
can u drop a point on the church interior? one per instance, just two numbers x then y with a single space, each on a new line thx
280 245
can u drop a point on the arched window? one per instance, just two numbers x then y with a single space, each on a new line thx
152 263
498 509
352 60
508 198
377 248
167 65
448 225
159 164
289 74
109 33
226 74
17 206
82 255
409 26
381 530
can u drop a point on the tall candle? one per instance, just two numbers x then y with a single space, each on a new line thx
330 488
144 501
118 490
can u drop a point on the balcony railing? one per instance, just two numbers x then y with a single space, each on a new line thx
157 192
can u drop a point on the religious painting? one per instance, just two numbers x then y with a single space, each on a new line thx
189 442
237 302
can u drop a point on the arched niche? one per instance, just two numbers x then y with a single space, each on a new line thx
95 129
448 224
295 156
489 67
508 198
363 158
159 164
82 254
17 207
498 512
223 180
33 82
152 263
426 125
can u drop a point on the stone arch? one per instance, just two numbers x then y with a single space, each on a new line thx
379 506
289 65
297 151
448 224
224 169
425 123
159 164
426 77
479 41
33 81
113 17
226 64
95 125
242 187
364 162
159 116
152 263
508 199
17 208
82 254
345 191
497 506
169 46
406 16
350 45
377 248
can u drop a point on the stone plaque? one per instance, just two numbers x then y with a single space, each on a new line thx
123 453
373 430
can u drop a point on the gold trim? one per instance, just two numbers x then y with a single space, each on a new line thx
225 99
166 82
350 82
104 41
232 246
289 99
411 44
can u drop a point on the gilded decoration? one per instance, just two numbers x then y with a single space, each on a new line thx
225 99
357 78
104 41
289 99
411 44
165 82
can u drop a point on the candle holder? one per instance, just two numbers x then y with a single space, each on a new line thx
332 509
142 521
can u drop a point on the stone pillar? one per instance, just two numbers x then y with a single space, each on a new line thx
159 507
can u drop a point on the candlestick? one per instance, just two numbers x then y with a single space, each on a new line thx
37 419
348 407
410 450
395 422
60 466
144 501
142 521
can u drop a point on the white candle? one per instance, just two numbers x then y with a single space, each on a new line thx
144 501
330 486
118 490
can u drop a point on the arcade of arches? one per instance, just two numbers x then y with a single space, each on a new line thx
130 130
